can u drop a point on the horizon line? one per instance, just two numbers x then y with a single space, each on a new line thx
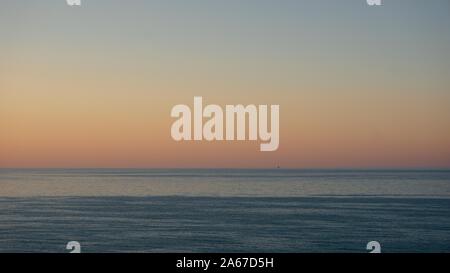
232 168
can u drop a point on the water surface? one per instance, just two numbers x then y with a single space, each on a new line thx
119 210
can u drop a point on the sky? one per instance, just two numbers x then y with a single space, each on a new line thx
93 86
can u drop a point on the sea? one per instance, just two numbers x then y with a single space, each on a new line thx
224 210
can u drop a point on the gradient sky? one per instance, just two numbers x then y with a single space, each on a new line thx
93 86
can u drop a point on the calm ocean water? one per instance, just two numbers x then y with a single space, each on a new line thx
114 210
